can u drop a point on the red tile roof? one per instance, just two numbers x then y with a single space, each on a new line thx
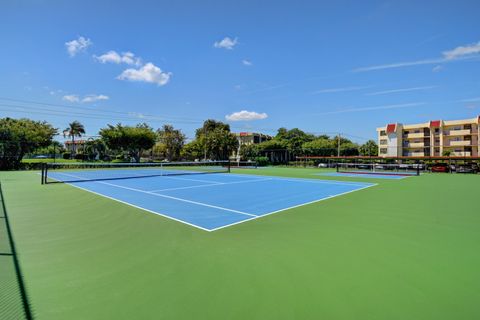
391 127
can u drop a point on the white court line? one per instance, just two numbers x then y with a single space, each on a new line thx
211 185
175 198
135 206
168 197
187 179
253 217
310 180
292 207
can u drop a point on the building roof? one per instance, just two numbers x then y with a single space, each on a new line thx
76 142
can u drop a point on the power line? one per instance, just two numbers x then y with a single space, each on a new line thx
119 115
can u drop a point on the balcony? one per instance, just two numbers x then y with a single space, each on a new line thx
464 143
464 132
414 154
461 154
415 145
415 135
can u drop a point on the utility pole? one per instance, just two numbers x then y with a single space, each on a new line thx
338 145
205 147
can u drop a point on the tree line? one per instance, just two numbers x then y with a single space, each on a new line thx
121 143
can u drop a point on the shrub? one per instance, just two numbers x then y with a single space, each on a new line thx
262 161
67 155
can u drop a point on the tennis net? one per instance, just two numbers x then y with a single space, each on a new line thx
244 164
379 168
78 172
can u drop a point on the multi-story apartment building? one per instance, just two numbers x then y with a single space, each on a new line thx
431 139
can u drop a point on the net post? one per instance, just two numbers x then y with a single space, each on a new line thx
228 166
337 167
43 173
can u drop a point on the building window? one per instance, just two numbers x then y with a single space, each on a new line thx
383 133
437 130
383 150
383 142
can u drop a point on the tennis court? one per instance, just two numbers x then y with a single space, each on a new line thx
403 249
364 175
205 201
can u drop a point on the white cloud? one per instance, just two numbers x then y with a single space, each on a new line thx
334 90
462 51
245 115
86 99
148 73
78 45
114 57
94 98
437 68
471 100
385 107
137 115
399 65
71 98
226 43
400 90
247 63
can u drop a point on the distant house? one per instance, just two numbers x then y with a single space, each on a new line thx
79 146
246 138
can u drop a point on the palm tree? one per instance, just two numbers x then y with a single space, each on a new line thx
74 129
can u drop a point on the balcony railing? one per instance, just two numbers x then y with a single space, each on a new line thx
463 132
414 154
415 135
415 145
458 143
461 154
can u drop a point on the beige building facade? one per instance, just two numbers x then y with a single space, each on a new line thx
458 138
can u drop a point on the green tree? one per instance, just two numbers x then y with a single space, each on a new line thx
293 139
369 148
249 151
322 146
193 150
54 148
74 129
127 139
95 148
173 141
446 153
216 139
21 136
349 149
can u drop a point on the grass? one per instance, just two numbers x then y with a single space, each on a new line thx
405 249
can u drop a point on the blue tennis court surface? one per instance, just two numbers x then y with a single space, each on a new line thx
363 175
214 201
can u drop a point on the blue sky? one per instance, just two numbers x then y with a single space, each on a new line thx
336 66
